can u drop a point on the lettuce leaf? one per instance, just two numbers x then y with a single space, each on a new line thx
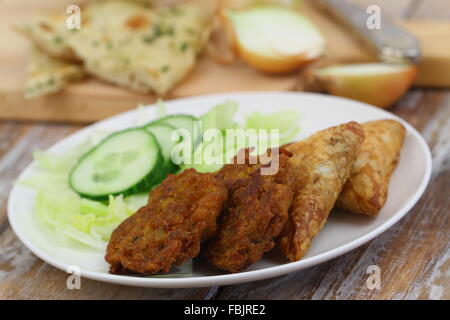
286 121
92 222
86 221
222 117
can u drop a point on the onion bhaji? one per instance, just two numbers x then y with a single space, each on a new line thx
320 164
179 215
366 189
274 161
256 212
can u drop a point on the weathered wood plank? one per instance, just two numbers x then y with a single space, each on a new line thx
413 259
437 133
414 255
19 149
436 286
345 276
10 133
411 255
21 273
24 276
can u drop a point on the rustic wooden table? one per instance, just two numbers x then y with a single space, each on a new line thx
414 255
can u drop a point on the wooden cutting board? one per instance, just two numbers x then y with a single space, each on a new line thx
93 100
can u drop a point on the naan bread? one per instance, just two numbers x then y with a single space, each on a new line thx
49 33
143 49
46 75
127 43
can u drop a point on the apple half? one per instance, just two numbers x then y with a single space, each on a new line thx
379 84
274 39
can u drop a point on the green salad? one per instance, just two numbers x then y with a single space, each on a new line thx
87 192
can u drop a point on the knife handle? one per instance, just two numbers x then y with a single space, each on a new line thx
391 43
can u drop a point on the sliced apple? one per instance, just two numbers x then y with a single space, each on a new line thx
379 84
274 39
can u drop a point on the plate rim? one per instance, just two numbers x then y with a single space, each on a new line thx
245 276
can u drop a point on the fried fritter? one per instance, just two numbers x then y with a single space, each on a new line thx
256 213
274 161
179 215
366 189
320 164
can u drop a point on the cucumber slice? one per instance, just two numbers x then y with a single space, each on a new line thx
126 162
183 121
163 134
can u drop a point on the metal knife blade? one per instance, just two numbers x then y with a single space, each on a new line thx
391 43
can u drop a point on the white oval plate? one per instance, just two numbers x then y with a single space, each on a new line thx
342 233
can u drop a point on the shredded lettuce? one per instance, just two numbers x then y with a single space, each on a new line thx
86 221
212 155
222 117
286 121
160 108
208 156
92 222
